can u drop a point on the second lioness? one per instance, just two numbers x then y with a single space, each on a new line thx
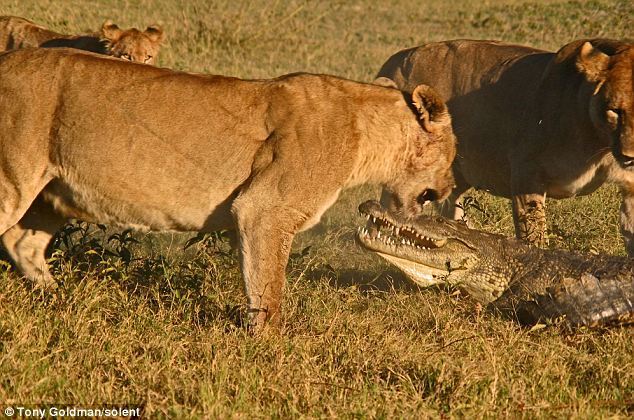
128 44
114 142
532 123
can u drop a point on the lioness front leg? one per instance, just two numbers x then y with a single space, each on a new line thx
265 237
453 207
627 219
27 241
529 216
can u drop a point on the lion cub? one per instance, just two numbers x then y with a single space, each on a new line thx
129 44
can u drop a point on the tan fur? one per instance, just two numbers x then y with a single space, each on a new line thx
532 123
163 150
130 44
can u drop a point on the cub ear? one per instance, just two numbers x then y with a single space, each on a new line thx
110 31
385 82
155 33
592 62
430 107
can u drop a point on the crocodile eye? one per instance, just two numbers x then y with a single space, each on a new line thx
613 115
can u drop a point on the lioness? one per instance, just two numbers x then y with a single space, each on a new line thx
531 122
130 44
114 142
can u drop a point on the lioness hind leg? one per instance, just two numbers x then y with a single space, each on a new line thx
14 202
18 189
27 241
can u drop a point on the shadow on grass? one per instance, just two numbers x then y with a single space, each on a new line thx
364 280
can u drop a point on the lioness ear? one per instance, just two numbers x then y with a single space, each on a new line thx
155 33
431 108
592 62
385 82
110 31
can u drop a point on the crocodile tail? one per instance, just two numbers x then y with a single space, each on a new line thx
591 302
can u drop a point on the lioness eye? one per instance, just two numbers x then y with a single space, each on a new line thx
613 115
125 56
148 58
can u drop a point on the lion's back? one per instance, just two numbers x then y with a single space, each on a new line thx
17 32
452 67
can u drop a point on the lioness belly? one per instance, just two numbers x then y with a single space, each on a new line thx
181 211
150 185
496 177
151 167
564 178
581 186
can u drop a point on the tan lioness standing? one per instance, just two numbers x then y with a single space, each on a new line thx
532 123
129 44
114 142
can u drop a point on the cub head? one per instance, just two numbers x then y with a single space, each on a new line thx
132 44
611 73
425 167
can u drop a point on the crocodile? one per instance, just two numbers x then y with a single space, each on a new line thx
528 284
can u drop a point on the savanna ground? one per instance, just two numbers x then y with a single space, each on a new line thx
150 324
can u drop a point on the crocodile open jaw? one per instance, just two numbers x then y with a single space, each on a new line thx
399 243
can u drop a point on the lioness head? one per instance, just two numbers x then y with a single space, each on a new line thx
427 175
611 71
132 44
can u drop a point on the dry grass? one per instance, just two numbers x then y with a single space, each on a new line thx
160 327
